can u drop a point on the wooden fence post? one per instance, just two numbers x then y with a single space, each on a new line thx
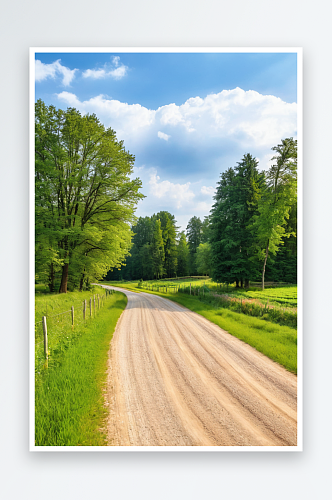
84 308
90 306
94 305
98 301
72 317
45 337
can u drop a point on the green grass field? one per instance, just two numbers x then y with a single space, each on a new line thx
285 296
69 394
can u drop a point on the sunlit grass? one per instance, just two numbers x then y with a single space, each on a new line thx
69 396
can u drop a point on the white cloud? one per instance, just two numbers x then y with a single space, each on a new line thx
180 194
117 72
183 199
161 135
128 120
209 190
53 70
94 73
254 122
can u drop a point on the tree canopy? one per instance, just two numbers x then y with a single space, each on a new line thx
85 198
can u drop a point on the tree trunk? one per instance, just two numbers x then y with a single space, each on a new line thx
51 278
246 283
241 282
237 283
64 279
266 254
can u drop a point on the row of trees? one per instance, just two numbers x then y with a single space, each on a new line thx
84 198
250 232
160 250
253 217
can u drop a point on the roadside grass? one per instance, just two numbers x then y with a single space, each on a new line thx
57 309
284 296
277 342
69 395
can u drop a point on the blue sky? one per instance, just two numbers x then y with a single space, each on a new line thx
186 117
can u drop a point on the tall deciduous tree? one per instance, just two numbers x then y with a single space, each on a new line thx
270 225
85 199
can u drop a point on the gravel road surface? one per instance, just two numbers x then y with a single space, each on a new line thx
176 379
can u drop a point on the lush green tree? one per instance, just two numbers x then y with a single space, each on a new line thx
136 263
206 230
85 198
203 258
147 261
158 253
182 255
194 237
169 231
274 207
236 202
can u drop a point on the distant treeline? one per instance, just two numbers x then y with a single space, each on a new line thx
250 233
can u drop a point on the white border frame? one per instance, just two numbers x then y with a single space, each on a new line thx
299 52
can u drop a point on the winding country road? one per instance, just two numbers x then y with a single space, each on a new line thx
176 379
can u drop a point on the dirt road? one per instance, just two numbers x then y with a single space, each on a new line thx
175 379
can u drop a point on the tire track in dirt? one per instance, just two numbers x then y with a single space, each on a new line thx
176 379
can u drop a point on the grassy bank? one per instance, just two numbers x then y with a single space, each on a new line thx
69 397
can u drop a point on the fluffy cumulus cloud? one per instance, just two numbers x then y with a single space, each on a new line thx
54 70
246 119
115 70
161 135
127 120
180 194
184 148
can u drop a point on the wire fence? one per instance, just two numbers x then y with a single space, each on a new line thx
54 333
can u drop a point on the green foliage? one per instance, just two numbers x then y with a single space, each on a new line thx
85 198
203 258
154 251
158 253
69 400
182 255
276 201
236 200
194 237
